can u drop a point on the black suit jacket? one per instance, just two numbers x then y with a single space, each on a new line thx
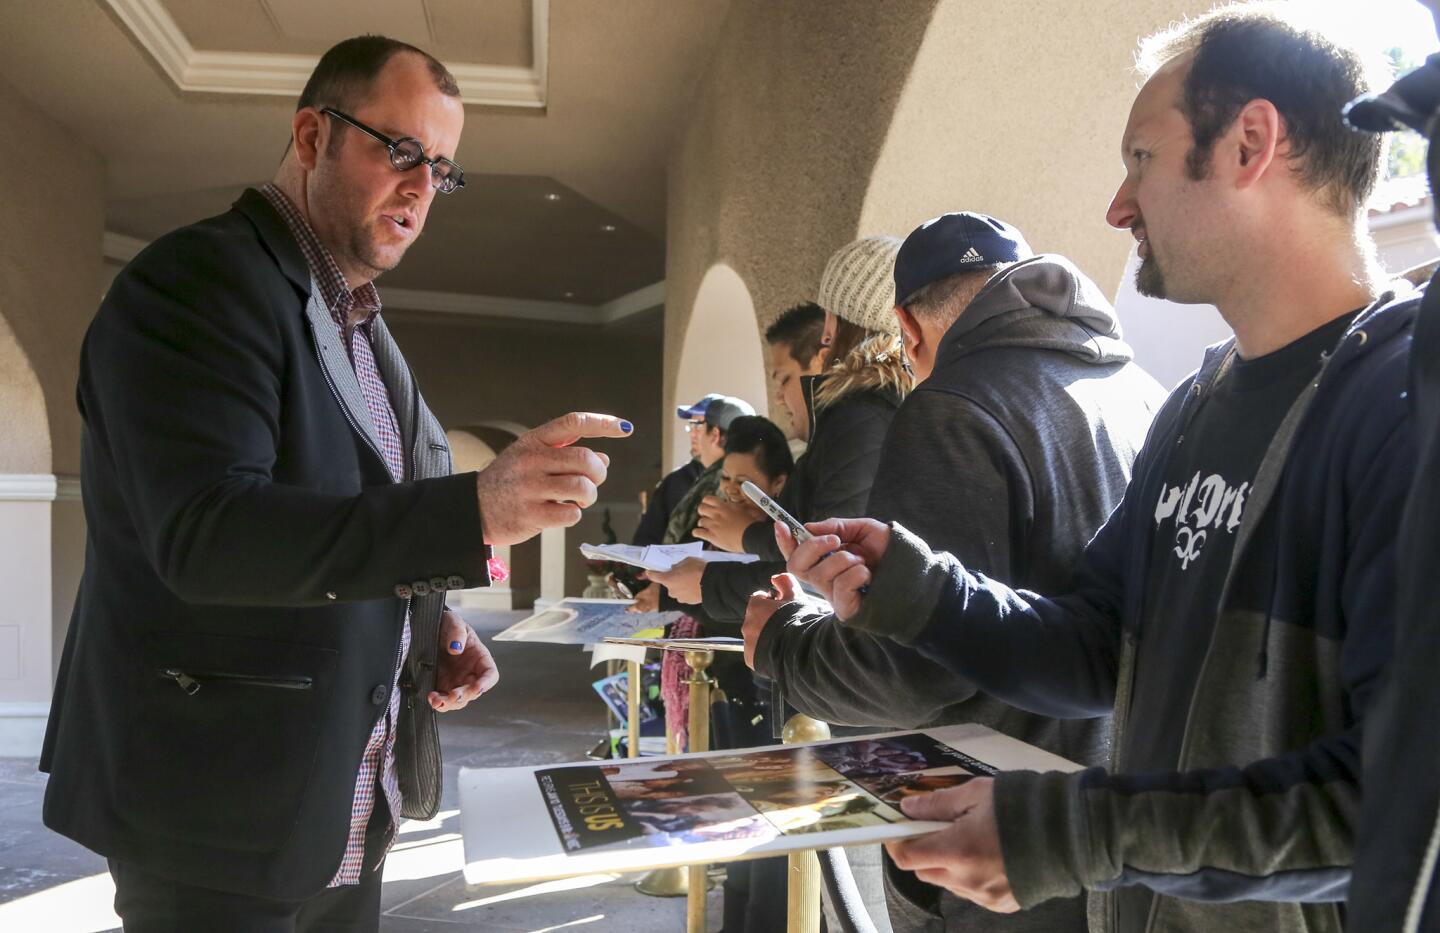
244 535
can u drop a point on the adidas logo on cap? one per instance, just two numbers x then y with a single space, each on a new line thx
971 255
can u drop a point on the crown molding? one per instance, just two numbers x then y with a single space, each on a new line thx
285 75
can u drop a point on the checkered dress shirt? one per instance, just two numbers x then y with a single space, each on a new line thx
341 300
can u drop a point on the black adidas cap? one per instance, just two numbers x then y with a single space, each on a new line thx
953 243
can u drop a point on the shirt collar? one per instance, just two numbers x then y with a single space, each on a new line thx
336 292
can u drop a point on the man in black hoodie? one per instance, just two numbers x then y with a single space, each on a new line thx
1014 447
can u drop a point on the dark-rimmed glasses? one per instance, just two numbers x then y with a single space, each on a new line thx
407 153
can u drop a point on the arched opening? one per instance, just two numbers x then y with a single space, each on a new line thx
468 451
721 351
31 633
23 420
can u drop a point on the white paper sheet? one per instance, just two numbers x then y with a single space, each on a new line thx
661 557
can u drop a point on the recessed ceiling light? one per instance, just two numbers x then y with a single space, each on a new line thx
609 228
569 294
552 196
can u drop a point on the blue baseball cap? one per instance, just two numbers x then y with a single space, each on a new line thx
687 412
951 244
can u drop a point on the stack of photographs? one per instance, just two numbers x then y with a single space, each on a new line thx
758 794
537 823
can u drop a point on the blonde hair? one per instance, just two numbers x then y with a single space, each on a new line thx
874 361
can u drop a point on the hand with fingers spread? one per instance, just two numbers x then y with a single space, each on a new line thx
964 858
762 607
682 581
839 561
465 669
542 481
723 523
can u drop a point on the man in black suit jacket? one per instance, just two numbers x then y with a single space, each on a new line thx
246 702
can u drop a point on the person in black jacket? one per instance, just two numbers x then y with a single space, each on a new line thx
672 488
245 706
1013 449
848 409
1393 888
1235 613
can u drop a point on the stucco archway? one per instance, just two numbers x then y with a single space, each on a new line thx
30 634
468 452
721 351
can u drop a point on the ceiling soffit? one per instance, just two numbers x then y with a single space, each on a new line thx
232 72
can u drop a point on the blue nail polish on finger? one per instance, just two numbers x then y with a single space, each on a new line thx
455 646
627 427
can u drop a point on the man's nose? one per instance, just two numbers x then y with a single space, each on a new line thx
416 183
1123 212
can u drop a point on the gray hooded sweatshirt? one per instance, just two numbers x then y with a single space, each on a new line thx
1010 456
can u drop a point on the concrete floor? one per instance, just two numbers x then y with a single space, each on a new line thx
543 711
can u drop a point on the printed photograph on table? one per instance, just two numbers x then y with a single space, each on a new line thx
615 691
622 815
750 795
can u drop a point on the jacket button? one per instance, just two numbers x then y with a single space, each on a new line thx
420 588
455 583
379 694
437 584
402 591
331 595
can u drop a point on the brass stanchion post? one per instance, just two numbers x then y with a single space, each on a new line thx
700 683
632 674
802 902
677 882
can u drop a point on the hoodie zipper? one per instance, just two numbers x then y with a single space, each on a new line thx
191 683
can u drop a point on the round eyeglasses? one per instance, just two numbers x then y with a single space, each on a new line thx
407 153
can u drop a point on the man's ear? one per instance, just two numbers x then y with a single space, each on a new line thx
911 334
817 362
1255 138
306 132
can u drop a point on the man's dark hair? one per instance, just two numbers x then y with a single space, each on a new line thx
761 438
343 76
1242 53
946 299
800 328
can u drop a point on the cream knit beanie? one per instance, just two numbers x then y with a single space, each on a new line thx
859 283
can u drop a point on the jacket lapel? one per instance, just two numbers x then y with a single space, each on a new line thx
338 370
422 434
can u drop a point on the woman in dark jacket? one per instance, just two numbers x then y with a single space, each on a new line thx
849 405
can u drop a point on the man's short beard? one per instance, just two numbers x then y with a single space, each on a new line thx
361 248
1149 281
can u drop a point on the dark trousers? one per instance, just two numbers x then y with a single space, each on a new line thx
148 903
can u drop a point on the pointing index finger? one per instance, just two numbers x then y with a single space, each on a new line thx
567 429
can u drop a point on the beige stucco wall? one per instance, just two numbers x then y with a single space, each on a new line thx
818 123
49 266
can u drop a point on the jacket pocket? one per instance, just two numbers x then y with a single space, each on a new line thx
223 744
